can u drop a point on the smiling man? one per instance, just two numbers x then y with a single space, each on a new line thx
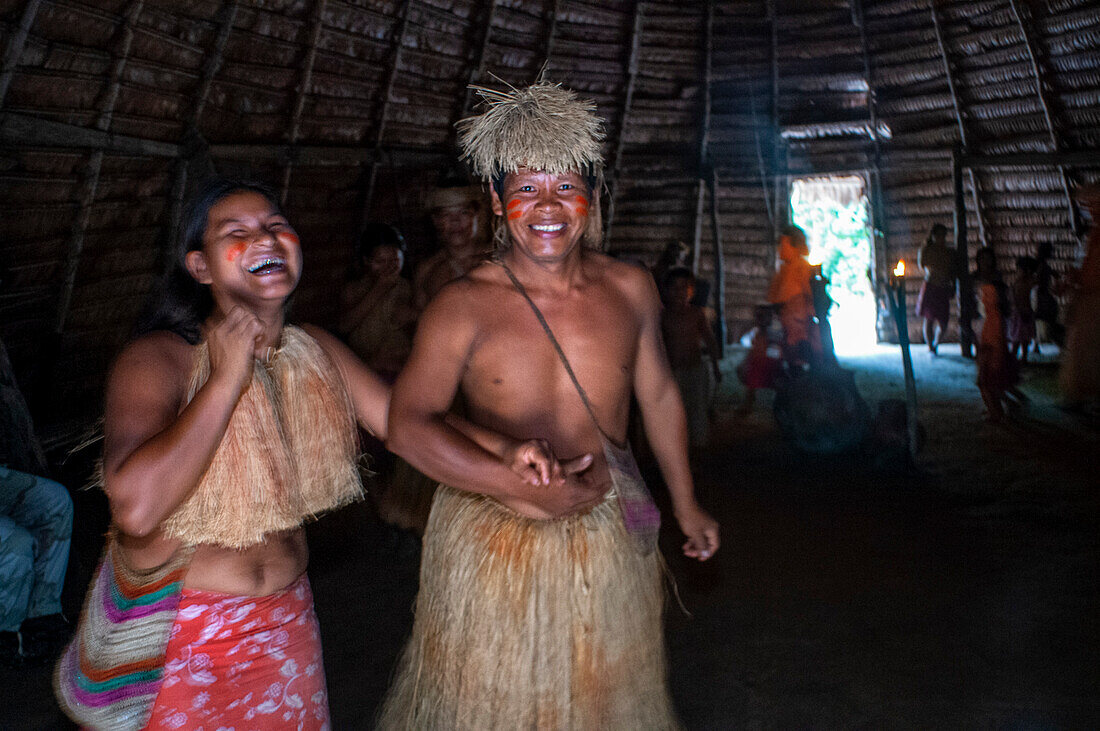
541 608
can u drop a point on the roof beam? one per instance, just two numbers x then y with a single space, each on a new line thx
227 15
16 44
334 155
551 33
955 100
28 131
387 93
24 129
191 140
1040 84
90 177
628 102
304 79
477 73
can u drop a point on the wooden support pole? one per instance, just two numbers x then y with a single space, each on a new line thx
90 177
719 267
780 218
628 102
959 117
387 93
1040 91
703 159
881 267
316 25
16 44
964 288
895 289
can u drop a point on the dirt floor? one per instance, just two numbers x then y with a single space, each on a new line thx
964 594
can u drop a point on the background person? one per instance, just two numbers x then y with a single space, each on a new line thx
792 293
376 308
687 335
458 211
937 263
36 519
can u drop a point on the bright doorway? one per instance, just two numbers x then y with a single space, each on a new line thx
833 211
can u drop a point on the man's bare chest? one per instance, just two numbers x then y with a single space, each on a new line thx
513 357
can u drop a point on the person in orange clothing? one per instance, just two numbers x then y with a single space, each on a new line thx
997 369
791 292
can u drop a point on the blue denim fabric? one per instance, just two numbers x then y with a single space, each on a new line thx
36 524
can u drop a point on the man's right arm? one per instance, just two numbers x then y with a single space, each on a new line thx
419 430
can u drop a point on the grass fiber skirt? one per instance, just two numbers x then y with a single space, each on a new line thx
524 623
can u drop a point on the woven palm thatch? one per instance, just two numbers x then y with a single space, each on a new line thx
350 110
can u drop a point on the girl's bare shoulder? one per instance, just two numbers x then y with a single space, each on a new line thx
159 356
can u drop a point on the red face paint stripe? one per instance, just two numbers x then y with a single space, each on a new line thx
290 237
234 251
513 203
514 215
582 200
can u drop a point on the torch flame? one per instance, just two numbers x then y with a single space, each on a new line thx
899 270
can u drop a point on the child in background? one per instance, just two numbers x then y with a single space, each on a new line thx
763 362
1021 326
997 371
686 333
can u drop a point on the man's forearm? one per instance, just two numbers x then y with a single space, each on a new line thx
445 453
666 428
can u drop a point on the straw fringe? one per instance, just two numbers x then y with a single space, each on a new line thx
523 623
288 454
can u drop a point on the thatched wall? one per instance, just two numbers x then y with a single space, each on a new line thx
110 108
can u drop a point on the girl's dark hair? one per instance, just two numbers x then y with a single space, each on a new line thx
178 303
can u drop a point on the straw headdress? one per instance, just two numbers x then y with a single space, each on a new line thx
541 127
